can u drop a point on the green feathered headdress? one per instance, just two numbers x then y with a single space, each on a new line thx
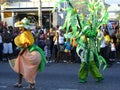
25 22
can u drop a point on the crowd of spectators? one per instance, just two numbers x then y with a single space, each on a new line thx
56 46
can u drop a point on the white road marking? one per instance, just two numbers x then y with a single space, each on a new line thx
3 86
66 89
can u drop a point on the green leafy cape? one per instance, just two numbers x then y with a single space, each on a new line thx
88 25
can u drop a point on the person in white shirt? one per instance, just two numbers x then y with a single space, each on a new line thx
61 46
105 47
55 40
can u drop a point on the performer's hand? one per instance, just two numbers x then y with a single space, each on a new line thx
24 48
26 45
22 51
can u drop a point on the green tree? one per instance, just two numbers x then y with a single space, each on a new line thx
118 16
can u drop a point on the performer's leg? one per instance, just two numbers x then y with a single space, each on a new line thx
20 78
83 73
95 71
19 84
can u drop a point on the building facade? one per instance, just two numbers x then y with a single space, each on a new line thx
14 10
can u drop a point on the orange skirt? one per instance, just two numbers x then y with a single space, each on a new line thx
27 64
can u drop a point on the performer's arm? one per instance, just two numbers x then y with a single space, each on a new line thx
25 47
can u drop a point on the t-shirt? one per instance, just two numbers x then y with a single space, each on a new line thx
61 39
67 45
7 37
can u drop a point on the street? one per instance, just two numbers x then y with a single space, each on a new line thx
62 76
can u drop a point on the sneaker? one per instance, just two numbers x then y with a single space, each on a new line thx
50 61
17 85
118 62
47 61
64 61
53 61
30 87
99 79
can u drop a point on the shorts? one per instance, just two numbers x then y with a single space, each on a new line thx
7 48
66 50
61 47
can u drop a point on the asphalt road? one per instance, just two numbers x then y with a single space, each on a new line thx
62 76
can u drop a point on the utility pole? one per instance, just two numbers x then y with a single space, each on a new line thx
40 13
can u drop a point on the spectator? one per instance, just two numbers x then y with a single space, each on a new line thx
118 44
74 56
61 47
113 50
55 40
105 47
68 50
7 45
15 48
51 40
36 34
47 49
41 40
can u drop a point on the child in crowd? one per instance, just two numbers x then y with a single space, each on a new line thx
68 50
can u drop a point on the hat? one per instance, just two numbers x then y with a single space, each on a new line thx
25 22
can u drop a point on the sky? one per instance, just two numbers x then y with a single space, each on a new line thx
112 1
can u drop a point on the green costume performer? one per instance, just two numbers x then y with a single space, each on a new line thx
88 63
85 28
